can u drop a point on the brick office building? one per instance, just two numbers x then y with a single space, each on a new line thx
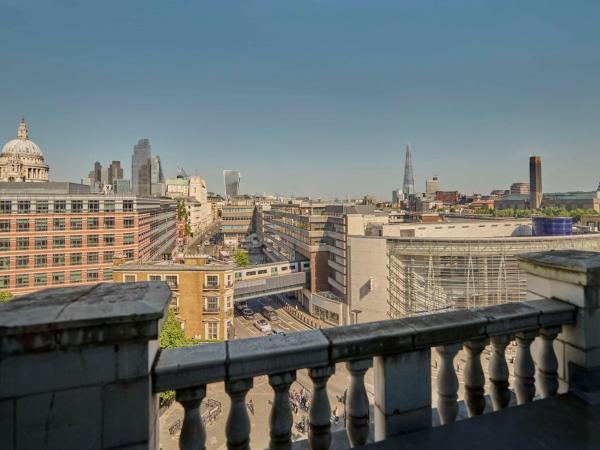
58 234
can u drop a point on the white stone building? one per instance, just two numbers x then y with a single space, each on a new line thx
194 191
22 160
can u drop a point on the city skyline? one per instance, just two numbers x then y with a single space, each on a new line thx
337 104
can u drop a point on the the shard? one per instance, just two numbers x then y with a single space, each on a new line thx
408 186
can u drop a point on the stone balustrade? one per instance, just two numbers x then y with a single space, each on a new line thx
399 352
80 367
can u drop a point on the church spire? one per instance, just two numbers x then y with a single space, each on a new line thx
22 132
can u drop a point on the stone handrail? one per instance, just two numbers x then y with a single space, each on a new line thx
399 351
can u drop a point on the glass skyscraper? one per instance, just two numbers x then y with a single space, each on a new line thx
232 183
141 166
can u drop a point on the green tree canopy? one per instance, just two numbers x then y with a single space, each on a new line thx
241 258
6 296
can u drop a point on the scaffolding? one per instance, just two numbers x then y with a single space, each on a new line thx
430 275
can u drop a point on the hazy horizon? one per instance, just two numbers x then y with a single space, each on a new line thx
310 98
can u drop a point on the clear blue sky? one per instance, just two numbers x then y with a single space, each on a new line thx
310 96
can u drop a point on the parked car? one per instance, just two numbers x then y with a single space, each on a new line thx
263 325
276 330
248 313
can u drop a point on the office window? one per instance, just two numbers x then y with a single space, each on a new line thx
127 205
154 278
109 222
212 330
41 224
128 254
92 240
130 278
60 206
22 224
128 222
229 302
40 279
4 281
75 276
4 226
58 259
41 206
109 205
76 259
4 262
58 277
41 260
4 244
76 206
92 258
22 261
77 224
212 281
22 281
23 206
108 275
58 224
109 240
76 241
93 205
128 238
92 223
5 206
41 243
58 242
22 243
108 257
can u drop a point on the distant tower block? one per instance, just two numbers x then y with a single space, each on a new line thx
408 187
535 182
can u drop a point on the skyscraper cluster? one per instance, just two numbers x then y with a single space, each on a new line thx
109 178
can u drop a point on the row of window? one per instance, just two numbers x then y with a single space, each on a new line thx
62 206
210 281
39 243
43 279
93 223
59 259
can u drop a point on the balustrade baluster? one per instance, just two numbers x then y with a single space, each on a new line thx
357 403
319 435
193 434
524 368
548 364
281 419
447 383
473 377
237 428
498 369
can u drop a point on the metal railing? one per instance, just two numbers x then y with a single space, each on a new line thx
400 352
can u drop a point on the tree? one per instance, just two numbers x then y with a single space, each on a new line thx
6 297
241 258
183 216
172 336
